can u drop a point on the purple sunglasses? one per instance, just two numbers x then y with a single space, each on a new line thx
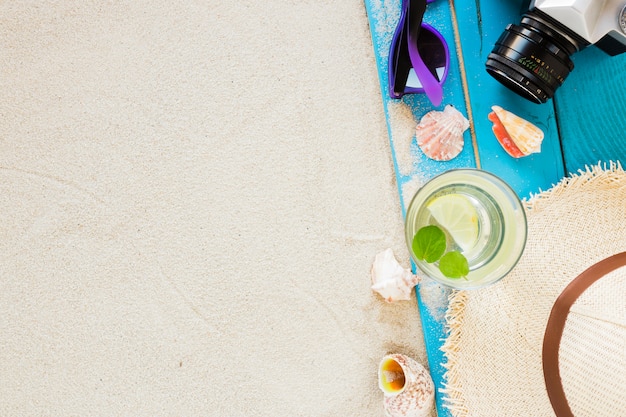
418 58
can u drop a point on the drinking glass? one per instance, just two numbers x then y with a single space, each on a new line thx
484 213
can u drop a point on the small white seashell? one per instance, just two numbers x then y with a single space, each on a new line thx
526 136
439 134
408 388
390 280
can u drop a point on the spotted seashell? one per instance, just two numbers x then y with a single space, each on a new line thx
409 390
390 280
439 134
517 136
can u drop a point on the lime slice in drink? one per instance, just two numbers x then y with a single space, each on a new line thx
456 214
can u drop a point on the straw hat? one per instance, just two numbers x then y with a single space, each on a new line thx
494 350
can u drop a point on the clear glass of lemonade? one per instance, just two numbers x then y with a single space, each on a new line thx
481 217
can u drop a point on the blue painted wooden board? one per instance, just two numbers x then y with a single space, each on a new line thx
479 28
591 109
584 124
383 17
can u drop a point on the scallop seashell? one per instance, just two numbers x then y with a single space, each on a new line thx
390 280
439 134
525 136
408 388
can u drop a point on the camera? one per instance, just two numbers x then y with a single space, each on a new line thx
533 58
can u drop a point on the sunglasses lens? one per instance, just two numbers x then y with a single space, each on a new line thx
434 54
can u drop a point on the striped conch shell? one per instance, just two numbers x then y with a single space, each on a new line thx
390 280
517 136
439 134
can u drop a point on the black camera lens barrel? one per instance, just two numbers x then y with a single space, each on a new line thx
533 58
530 61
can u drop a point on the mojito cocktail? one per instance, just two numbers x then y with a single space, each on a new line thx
481 222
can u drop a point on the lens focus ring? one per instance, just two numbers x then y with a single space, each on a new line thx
542 43
532 59
515 79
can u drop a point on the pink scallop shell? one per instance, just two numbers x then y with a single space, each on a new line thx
439 134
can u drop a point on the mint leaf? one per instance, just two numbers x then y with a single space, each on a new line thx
429 244
454 265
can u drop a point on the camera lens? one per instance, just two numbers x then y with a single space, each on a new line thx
533 58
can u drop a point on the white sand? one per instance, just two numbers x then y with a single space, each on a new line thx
191 196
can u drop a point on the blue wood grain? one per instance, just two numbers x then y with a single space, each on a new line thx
591 109
383 16
481 22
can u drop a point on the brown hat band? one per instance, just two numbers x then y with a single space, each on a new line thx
556 324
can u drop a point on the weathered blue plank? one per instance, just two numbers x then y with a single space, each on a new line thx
591 109
481 22
402 116
383 16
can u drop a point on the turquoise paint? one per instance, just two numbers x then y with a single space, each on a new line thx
383 17
526 175
591 108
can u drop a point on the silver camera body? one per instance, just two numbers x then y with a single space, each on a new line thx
599 22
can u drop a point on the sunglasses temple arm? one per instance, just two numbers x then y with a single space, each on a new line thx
399 63
431 85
